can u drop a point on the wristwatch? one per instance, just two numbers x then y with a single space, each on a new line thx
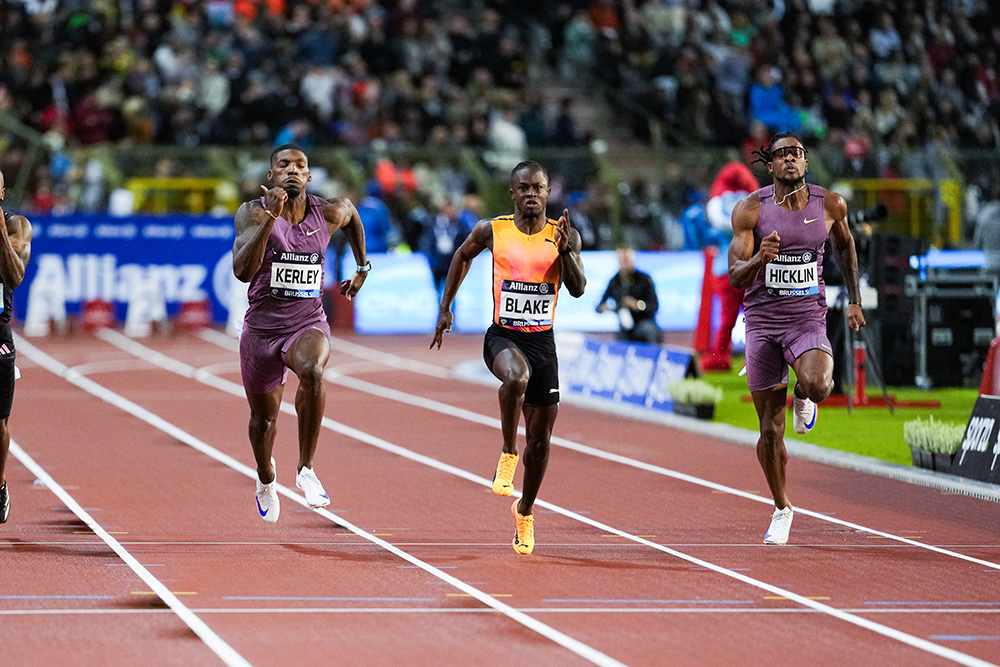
366 268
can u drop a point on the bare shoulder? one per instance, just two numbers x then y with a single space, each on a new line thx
746 212
20 226
834 204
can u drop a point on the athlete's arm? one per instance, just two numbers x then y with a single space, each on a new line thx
253 225
744 264
341 214
15 249
569 243
835 210
479 240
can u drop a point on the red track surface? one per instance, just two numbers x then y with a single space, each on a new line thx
634 562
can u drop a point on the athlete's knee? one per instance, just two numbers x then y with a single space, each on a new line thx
816 386
516 383
261 423
310 374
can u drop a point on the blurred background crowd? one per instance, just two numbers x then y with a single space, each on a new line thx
905 89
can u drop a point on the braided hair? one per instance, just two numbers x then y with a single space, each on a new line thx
764 153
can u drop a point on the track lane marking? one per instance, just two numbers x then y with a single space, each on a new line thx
224 651
443 408
86 384
168 363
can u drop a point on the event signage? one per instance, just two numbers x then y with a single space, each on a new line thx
81 258
635 374
977 458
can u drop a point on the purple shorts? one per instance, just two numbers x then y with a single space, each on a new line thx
262 356
771 350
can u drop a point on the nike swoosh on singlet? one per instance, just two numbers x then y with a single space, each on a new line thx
806 222
312 232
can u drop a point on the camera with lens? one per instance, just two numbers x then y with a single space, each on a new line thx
876 213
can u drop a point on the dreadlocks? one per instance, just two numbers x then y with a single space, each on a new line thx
764 153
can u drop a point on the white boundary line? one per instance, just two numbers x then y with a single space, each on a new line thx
480 610
163 361
74 377
225 652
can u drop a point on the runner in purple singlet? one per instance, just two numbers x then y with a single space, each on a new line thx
777 256
15 251
281 239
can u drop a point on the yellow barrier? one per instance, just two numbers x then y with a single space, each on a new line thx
189 195
911 203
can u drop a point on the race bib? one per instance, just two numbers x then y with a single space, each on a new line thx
297 275
526 304
792 275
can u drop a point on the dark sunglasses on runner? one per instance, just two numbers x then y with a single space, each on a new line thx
785 151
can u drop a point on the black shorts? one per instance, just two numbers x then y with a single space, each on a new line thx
6 370
538 349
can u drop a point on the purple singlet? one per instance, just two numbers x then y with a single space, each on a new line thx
789 289
284 294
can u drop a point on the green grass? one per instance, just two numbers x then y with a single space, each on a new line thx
873 432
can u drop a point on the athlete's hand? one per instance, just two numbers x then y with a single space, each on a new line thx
769 246
351 287
445 321
855 317
562 232
274 200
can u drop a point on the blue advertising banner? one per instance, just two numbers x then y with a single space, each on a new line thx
88 257
399 294
631 373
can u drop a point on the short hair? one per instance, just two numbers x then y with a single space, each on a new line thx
285 147
764 152
528 164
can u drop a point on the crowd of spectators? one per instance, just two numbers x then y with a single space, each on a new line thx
858 75
867 79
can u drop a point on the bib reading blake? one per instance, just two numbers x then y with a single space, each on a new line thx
526 304
297 275
525 276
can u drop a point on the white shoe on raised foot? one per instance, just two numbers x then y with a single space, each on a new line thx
803 415
781 524
316 495
267 498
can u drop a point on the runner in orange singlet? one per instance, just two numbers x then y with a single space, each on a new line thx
532 257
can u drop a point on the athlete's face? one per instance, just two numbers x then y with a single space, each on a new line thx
290 170
530 191
788 160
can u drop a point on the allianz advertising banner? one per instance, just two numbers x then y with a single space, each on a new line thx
80 258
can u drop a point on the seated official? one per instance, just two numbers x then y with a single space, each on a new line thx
633 295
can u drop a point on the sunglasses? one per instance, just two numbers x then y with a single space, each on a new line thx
786 151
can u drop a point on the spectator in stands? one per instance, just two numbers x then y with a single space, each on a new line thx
380 234
443 233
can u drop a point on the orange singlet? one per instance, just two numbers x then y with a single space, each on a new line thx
525 276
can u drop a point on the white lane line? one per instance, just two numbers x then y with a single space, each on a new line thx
468 415
70 375
340 345
480 610
225 652
155 357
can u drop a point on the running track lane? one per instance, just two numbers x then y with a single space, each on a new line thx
609 567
